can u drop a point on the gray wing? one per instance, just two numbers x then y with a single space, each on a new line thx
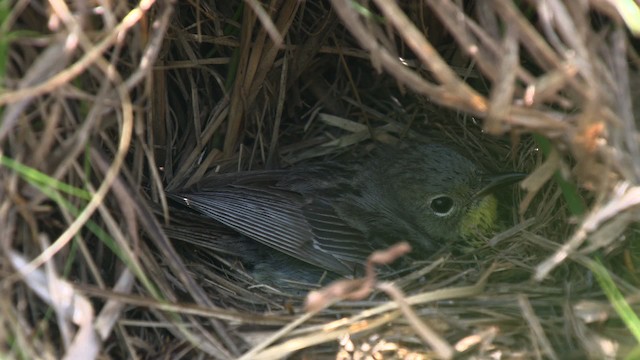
288 221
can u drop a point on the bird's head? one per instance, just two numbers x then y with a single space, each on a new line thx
440 192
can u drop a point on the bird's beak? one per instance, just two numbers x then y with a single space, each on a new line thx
493 182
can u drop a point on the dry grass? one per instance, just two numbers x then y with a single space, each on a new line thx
104 108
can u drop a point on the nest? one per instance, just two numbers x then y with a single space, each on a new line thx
108 104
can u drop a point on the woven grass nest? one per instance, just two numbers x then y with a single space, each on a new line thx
105 105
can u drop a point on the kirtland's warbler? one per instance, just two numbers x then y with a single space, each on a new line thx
331 216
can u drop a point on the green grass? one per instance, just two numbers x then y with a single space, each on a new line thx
55 191
570 192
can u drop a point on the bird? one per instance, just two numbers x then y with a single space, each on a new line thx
330 216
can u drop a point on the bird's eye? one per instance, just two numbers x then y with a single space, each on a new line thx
442 205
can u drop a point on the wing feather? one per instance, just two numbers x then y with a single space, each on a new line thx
284 220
